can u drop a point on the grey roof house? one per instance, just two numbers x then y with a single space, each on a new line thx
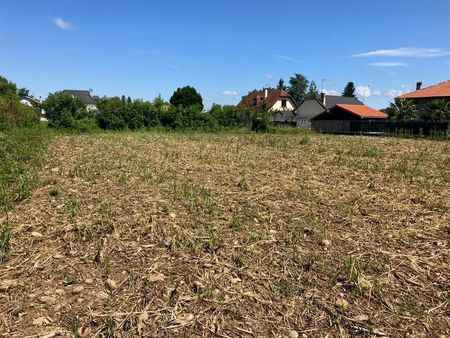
310 108
85 96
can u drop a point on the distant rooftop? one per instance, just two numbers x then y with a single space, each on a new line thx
84 96
332 100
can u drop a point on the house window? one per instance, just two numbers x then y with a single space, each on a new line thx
283 103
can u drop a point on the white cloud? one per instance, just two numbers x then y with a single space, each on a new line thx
61 24
287 58
405 52
394 92
331 92
269 77
364 91
448 62
230 93
388 64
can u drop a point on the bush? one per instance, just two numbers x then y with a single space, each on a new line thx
65 112
15 114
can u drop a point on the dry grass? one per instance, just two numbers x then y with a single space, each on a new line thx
232 236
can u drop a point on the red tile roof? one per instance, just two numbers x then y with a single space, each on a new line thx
363 111
255 98
438 90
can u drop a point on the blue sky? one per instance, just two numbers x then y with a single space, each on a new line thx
223 48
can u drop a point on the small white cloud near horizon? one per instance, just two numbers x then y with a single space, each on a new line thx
230 93
405 52
394 93
388 64
64 25
269 77
331 92
363 91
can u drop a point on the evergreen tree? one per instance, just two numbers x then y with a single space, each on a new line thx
312 91
298 85
349 90
186 97
281 85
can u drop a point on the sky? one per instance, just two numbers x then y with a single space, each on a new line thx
224 49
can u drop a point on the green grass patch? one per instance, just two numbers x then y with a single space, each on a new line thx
21 156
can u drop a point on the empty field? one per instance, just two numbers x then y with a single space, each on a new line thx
232 235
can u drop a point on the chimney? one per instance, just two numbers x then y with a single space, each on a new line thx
419 86
323 98
266 93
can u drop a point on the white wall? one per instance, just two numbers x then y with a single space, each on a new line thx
278 106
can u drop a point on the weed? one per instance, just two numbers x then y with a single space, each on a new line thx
353 273
54 192
236 223
310 260
5 245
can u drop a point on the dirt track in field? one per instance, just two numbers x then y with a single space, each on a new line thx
232 235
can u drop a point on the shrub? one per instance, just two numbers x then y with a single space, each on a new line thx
64 111
15 114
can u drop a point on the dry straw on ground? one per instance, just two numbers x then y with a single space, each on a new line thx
159 235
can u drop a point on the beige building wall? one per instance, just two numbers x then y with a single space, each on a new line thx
278 106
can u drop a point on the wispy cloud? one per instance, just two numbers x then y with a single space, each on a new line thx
230 93
405 52
64 25
287 58
388 64
269 77
331 92
448 62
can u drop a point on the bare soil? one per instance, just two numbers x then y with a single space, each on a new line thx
232 235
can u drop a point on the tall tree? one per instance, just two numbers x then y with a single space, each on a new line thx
298 85
437 110
312 91
349 90
402 109
186 97
281 85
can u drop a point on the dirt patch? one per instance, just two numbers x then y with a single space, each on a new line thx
161 235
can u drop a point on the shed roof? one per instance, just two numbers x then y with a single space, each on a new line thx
362 111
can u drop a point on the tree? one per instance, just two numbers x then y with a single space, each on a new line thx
437 110
281 85
62 110
7 88
312 91
349 90
298 85
23 92
402 109
187 97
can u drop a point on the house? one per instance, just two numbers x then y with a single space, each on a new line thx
346 118
30 101
422 96
277 101
310 108
85 96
